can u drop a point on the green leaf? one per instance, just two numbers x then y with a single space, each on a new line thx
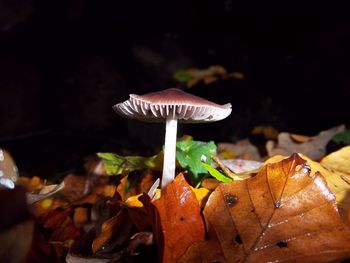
182 76
116 164
216 174
342 137
189 154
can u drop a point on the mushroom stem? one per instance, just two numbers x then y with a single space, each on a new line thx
169 152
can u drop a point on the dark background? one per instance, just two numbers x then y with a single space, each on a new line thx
64 63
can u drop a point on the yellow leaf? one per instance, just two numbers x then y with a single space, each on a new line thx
133 201
201 195
338 163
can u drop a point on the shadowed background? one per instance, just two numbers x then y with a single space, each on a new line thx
63 64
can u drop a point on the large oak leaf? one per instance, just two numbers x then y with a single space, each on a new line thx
283 214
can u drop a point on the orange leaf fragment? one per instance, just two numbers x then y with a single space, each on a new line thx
81 216
284 213
176 219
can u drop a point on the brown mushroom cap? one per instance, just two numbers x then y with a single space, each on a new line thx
172 103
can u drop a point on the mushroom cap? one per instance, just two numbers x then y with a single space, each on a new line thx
172 103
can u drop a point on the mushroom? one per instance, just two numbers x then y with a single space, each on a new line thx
171 105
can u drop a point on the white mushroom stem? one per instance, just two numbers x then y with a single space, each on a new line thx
169 162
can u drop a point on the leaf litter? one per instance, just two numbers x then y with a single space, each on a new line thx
282 210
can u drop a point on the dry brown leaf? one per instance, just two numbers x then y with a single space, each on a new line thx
76 187
41 250
55 218
334 168
210 75
137 240
45 192
67 231
92 197
31 184
130 187
176 219
285 213
43 207
210 183
314 148
81 216
300 138
114 231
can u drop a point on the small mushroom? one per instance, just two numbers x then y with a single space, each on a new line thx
171 105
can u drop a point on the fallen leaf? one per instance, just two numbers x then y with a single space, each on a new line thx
134 243
213 73
284 213
133 201
109 190
115 231
314 148
115 164
76 187
242 149
124 189
46 205
236 75
267 131
239 166
202 195
31 184
45 192
338 161
66 231
137 240
176 219
339 180
81 216
131 186
55 218
90 198
333 168
41 250
210 183
300 138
